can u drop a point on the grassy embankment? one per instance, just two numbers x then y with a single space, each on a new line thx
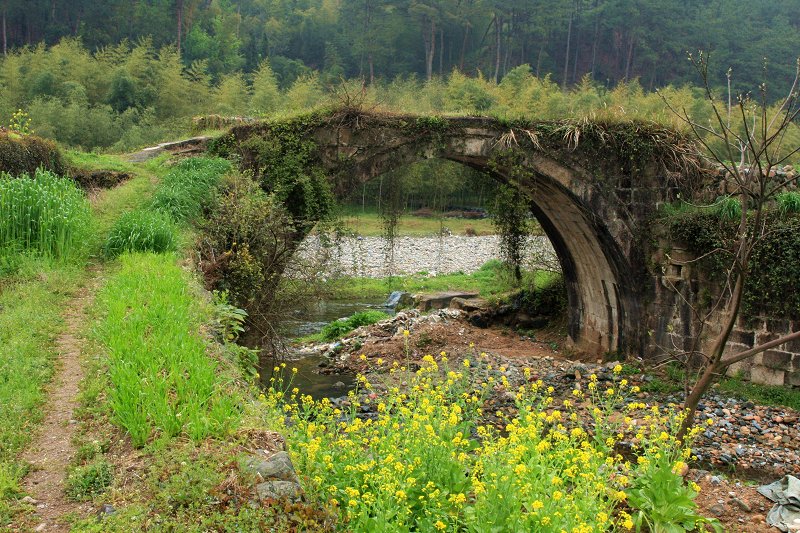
491 281
34 290
370 224
163 375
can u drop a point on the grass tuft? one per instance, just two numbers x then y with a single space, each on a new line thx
142 231
188 188
788 202
340 328
85 482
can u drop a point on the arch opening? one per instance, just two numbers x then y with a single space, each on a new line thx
594 268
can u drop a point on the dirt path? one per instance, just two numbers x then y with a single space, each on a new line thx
52 450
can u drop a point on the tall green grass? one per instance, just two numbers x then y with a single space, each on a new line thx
142 231
45 214
162 380
788 202
189 187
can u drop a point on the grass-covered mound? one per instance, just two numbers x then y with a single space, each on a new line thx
23 154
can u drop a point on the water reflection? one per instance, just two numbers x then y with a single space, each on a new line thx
308 378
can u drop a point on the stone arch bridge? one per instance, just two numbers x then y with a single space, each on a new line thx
594 187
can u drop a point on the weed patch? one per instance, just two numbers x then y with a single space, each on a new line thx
762 394
86 482
340 328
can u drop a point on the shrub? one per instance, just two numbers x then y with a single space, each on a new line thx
340 328
25 154
45 214
141 231
189 187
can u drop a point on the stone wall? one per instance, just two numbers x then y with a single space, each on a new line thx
679 288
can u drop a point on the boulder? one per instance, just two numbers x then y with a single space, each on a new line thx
279 490
469 305
440 300
276 467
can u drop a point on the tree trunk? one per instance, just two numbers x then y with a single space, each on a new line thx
463 49
441 51
430 50
3 29
629 60
594 40
371 70
498 22
539 57
179 5
575 59
566 54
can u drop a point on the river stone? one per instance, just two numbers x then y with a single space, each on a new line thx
469 304
440 300
277 490
277 467
399 300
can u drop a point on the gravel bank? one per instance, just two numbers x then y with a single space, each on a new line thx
367 256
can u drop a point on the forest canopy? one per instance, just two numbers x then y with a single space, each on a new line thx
122 74
610 40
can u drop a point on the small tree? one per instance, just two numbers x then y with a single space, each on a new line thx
747 139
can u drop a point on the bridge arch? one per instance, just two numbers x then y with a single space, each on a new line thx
594 196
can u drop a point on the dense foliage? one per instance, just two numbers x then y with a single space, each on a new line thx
130 95
773 283
609 40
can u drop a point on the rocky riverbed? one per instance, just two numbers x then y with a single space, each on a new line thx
370 256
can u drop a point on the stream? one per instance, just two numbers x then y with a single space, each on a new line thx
308 379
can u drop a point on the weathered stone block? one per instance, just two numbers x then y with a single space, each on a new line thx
743 337
793 379
777 359
742 368
780 327
793 346
767 376
763 337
